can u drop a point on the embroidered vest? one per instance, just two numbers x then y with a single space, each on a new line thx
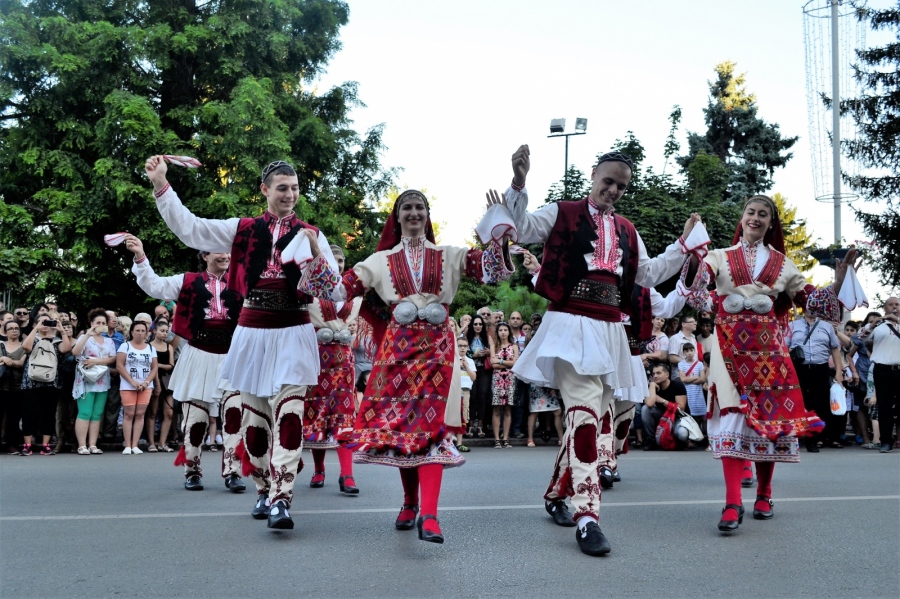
572 237
250 253
193 301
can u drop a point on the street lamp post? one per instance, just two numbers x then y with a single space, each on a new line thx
558 129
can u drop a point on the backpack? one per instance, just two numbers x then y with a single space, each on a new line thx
43 362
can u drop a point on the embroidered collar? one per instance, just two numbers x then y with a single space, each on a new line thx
270 217
223 276
605 210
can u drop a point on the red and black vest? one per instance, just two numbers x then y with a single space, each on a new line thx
564 265
193 301
250 252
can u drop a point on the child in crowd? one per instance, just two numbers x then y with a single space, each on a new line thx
466 378
693 375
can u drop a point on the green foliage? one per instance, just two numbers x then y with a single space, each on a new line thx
877 114
797 240
748 146
512 298
91 89
471 296
573 186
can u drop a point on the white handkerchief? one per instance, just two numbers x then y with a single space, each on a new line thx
298 250
697 241
114 239
852 294
496 224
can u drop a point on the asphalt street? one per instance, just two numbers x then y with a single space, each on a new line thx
122 526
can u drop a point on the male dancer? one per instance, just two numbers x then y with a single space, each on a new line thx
593 258
273 355
646 304
331 405
206 314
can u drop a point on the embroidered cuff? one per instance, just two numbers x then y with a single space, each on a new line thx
516 187
496 265
496 225
318 279
162 192
696 295
696 242
142 260
823 303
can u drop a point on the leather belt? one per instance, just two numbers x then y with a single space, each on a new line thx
597 292
274 300
213 336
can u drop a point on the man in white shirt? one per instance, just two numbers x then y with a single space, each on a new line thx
677 341
885 335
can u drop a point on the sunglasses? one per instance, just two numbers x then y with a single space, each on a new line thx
21 313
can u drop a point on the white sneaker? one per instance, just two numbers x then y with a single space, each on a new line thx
126 451
136 451
218 439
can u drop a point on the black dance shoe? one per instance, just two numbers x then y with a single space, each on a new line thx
616 477
591 540
731 525
560 512
406 523
234 483
347 488
427 535
765 514
193 483
261 510
606 478
318 480
279 517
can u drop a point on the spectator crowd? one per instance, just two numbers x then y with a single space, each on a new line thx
72 385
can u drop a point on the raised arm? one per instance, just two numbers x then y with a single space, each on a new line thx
204 234
155 286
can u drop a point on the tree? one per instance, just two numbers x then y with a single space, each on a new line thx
574 183
748 146
797 240
90 89
877 146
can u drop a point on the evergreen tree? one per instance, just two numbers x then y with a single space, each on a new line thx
877 115
797 240
750 147
90 89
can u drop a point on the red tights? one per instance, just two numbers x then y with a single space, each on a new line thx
733 468
428 478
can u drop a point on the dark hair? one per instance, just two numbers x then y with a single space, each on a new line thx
660 365
9 322
201 263
37 307
95 313
508 331
684 317
687 346
135 324
470 333
4 313
279 167
704 321
852 323
870 314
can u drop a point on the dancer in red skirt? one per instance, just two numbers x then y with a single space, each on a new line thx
330 407
412 404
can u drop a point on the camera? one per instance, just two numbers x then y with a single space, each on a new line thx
50 323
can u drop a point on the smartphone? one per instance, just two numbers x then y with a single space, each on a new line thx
50 323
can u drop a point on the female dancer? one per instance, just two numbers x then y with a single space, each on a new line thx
755 408
329 407
412 403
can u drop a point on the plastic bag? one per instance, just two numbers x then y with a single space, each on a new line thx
838 399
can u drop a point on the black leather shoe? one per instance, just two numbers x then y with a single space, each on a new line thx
731 525
427 535
616 477
763 514
591 540
279 517
406 523
348 489
606 478
234 483
318 480
193 483
261 510
560 512
812 448
747 482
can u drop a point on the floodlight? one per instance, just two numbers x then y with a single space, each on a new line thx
581 125
557 125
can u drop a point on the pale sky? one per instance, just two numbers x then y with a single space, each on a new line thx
460 85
